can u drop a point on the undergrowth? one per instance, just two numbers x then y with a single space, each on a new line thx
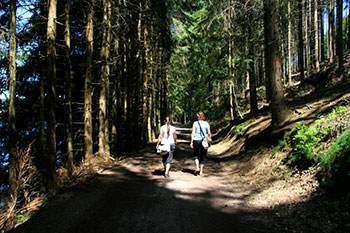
241 129
325 145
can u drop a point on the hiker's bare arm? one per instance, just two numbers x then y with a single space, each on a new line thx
192 135
159 138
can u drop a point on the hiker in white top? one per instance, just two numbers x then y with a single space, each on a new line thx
200 129
167 139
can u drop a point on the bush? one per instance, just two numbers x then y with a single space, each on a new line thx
325 144
304 143
335 162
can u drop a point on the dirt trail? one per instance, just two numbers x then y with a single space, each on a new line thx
135 197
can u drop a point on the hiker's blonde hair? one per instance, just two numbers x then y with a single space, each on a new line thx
200 115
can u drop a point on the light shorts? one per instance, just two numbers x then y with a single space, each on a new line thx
168 157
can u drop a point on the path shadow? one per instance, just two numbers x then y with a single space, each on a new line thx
125 201
158 172
189 171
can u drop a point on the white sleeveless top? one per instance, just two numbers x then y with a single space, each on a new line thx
167 139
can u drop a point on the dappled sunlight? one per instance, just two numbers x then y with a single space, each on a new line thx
221 150
221 147
258 125
264 185
278 192
233 144
234 194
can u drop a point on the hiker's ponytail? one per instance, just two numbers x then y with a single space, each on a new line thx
167 120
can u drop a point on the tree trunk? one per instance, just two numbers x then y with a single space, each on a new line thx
121 102
339 38
252 90
307 53
43 138
121 88
70 159
12 103
159 92
348 24
51 74
233 111
145 75
317 46
88 83
320 18
130 136
301 40
41 163
151 106
273 67
103 144
312 36
233 98
289 43
164 88
251 73
137 81
331 30
115 77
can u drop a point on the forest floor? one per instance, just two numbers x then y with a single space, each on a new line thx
245 188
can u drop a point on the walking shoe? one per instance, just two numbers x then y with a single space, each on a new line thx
196 172
166 175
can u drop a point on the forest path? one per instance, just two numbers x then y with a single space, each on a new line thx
133 196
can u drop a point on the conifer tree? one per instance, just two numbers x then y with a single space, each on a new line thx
12 102
273 67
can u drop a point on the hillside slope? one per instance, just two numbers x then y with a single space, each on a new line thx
292 198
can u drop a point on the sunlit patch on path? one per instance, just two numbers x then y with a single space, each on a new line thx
133 196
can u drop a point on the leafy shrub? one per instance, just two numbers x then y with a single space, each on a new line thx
335 162
325 144
303 141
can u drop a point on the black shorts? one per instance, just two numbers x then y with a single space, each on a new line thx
199 152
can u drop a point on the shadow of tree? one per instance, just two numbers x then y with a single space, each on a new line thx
127 199
132 197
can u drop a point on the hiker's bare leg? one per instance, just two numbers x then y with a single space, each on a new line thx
196 161
201 169
167 168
